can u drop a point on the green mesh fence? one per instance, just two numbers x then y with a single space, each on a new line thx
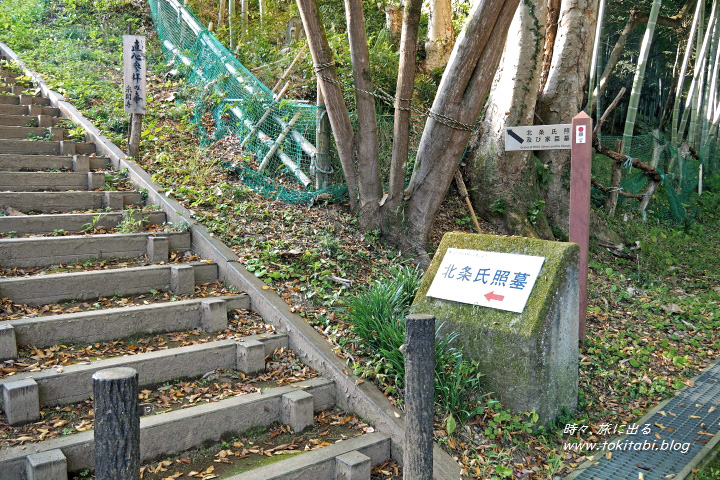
280 136
679 169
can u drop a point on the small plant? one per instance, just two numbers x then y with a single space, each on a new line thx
76 134
58 232
536 210
46 137
131 223
498 206
92 225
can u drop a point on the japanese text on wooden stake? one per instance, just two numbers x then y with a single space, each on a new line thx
134 92
489 279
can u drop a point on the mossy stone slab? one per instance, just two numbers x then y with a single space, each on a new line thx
529 359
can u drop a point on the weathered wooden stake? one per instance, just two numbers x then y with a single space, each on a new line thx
135 128
117 424
322 136
581 156
419 391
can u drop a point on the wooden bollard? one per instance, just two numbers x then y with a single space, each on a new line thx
117 424
419 393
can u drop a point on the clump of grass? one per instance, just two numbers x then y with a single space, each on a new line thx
378 319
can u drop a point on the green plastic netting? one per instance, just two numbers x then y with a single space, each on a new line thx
679 169
279 135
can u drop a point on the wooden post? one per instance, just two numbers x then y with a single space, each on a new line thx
322 140
419 391
135 89
581 157
117 424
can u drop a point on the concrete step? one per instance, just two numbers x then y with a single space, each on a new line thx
18 120
48 202
181 430
31 133
44 289
73 222
22 99
112 323
9 99
28 147
31 110
73 383
44 121
47 251
14 89
85 163
350 459
50 181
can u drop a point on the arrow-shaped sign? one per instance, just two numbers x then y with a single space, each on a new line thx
492 296
515 136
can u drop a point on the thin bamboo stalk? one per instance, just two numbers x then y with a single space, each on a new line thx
640 76
683 71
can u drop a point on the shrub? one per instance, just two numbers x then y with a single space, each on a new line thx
378 319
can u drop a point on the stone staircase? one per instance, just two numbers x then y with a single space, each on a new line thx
80 295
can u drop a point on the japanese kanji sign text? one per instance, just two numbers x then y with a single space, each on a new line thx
489 279
134 89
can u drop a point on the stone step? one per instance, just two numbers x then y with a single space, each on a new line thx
112 323
29 121
73 383
44 289
74 222
27 147
351 459
18 120
48 202
14 89
9 99
47 251
21 99
30 133
50 181
181 430
77 163
32 110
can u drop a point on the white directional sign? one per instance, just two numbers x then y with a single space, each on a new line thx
538 137
489 279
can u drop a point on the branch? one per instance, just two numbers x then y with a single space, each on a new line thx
605 189
608 110
620 158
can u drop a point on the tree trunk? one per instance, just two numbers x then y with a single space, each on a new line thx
221 14
403 102
332 94
504 184
440 34
461 95
562 97
365 143
393 23
231 24
553 16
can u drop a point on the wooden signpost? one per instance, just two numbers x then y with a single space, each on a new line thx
577 137
134 89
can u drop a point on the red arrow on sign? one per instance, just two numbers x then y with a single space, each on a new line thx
493 296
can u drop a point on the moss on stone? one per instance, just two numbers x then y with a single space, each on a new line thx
529 359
